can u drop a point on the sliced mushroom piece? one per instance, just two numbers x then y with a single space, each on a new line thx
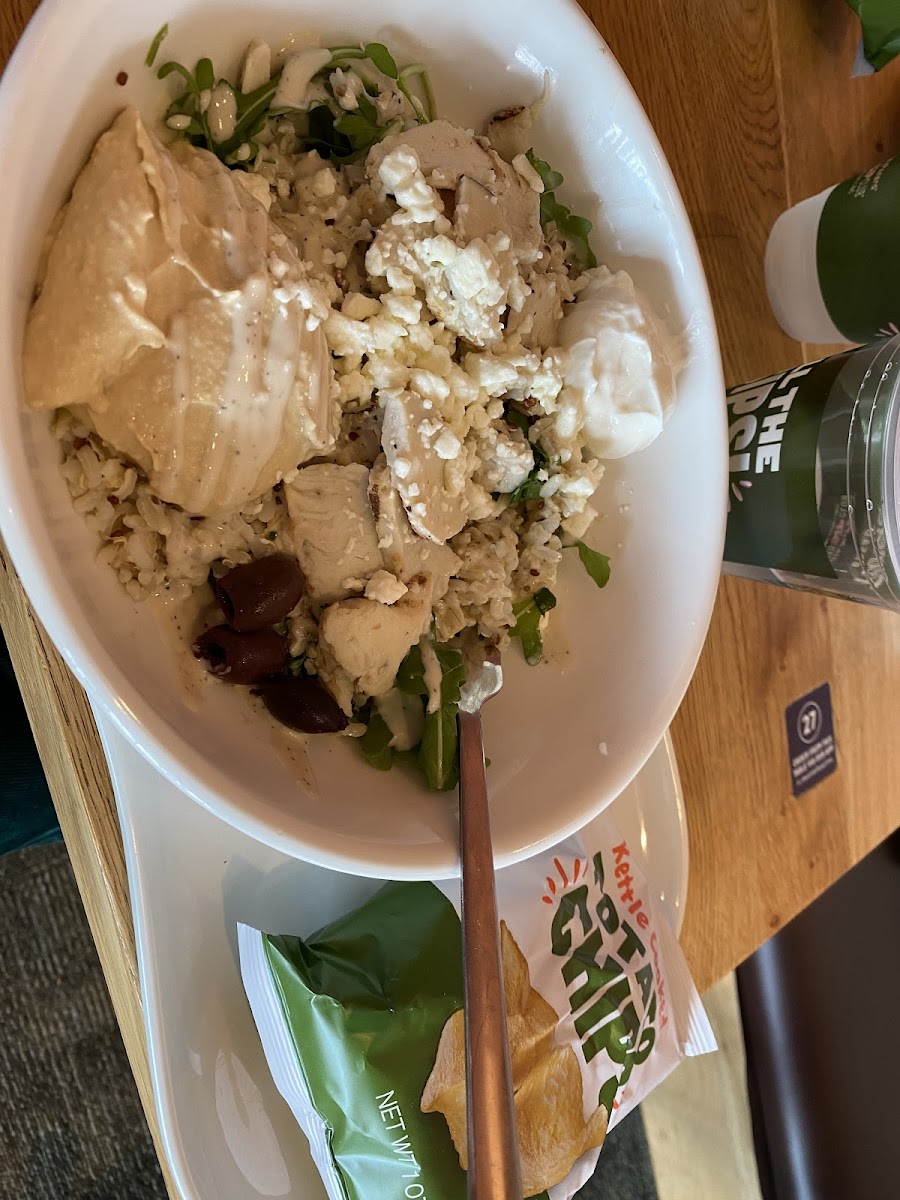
417 446
369 640
333 528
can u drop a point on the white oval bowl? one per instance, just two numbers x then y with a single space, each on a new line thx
562 744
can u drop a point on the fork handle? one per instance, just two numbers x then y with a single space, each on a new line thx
493 1171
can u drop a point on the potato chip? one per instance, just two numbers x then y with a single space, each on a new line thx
550 1122
547 1084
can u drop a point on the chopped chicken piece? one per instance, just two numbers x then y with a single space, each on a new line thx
369 640
467 287
418 449
537 321
491 196
510 206
335 678
333 528
445 153
404 552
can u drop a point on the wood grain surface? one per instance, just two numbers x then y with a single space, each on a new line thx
755 108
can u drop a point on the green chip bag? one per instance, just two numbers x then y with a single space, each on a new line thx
362 1022
364 1001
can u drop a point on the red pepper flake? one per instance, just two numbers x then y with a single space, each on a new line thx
534 571
122 78
352 436
79 442
113 499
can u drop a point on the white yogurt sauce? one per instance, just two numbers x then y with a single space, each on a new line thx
221 114
403 716
432 674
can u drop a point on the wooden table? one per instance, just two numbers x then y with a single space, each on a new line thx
755 108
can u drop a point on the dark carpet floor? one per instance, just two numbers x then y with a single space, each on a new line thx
71 1124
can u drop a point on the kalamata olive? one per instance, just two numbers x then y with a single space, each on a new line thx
259 593
302 703
241 657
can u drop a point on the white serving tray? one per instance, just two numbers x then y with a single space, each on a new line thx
227 1133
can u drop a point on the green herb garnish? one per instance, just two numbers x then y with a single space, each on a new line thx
439 751
294 666
527 628
574 231
530 487
515 416
339 135
379 54
595 563
411 676
361 128
155 45
376 742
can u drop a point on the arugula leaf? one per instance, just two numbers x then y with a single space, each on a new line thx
549 178
323 137
515 416
439 751
529 488
527 629
205 75
574 231
595 563
171 68
155 45
376 742
382 58
342 137
411 676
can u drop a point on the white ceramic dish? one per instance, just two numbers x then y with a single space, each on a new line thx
226 1131
563 745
